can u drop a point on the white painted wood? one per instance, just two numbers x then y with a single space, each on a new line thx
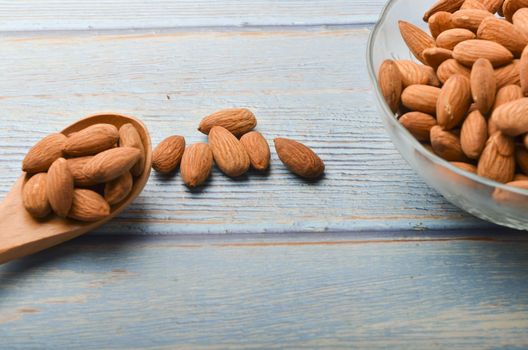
114 14
264 292
307 84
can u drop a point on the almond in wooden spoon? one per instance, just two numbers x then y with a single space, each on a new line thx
35 196
91 140
59 187
44 153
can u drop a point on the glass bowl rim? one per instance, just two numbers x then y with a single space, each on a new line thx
394 122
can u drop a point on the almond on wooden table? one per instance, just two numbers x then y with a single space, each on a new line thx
447 145
497 161
59 187
257 149
196 164
111 164
453 102
229 154
390 82
469 51
483 85
474 134
439 22
421 98
88 206
443 5
168 154
34 196
416 39
117 190
298 158
44 153
504 33
91 140
129 137
237 120
419 124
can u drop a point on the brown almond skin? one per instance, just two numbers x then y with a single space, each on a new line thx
299 159
229 154
451 67
483 85
34 196
390 82
439 22
523 72
520 20
168 154
416 39
44 153
196 164
443 5
419 124
465 166
91 140
436 56
447 145
492 5
117 190
512 118
474 134
507 93
521 157
257 149
473 5
413 73
525 141
237 120
453 102
76 166
509 7
509 74
520 177
469 19
469 51
59 187
129 137
450 38
497 161
88 206
111 164
421 98
504 33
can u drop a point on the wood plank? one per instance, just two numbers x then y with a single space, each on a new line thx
309 85
114 14
269 292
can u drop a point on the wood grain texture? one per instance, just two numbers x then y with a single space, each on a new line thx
306 84
265 292
111 14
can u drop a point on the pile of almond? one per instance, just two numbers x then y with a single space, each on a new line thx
466 99
82 175
234 147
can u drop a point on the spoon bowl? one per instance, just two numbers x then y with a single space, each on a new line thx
21 234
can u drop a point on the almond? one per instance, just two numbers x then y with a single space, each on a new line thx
168 154
421 98
196 164
228 153
520 20
520 177
443 5
88 206
453 102
390 82
419 124
76 166
512 118
416 39
91 140
34 196
439 22
413 73
497 161
436 56
509 7
469 51
473 4
469 19
44 153
298 158
509 74
474 134
237 120
521 157
450 38
129 137
451 67
504 33
483 85
465 166
509 197
111 164
59 187
492 5
507 94
257 149
523 72
525 141
432 78
118 189
446 145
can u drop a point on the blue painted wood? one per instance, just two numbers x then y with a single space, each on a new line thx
258 291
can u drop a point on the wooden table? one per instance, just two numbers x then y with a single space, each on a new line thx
368 257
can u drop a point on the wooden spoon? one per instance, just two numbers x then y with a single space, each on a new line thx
21 234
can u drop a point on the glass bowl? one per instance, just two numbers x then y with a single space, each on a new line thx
484 198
